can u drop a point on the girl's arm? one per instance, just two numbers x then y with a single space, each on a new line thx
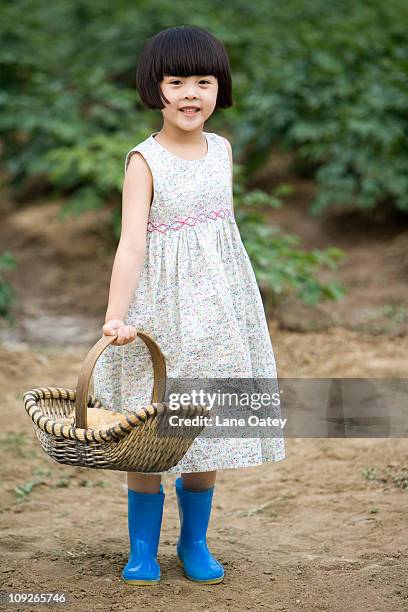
136 199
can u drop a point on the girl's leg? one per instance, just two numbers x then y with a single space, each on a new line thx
144 483
199 481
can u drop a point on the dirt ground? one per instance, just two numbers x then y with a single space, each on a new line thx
325 529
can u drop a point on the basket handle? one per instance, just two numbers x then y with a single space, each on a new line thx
84 378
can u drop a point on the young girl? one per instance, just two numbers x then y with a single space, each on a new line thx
181 273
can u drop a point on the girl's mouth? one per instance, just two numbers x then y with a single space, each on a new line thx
190 111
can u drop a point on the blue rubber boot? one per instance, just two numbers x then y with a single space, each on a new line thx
145 512
192 551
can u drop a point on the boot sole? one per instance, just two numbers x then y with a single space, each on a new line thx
141 582
211 581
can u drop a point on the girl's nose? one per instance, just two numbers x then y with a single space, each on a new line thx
190 92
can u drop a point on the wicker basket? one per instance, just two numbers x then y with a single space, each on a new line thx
132 444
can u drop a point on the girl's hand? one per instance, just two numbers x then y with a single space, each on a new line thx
126 333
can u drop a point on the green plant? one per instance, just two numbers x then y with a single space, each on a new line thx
279 265
24 490
70 111
340 114
370 473
7 293
399 479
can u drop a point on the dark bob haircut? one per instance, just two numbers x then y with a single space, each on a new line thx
182 51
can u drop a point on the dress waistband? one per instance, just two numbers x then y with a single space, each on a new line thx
176 225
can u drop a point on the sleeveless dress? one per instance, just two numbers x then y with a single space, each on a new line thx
198 297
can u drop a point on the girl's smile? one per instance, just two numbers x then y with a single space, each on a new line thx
190 110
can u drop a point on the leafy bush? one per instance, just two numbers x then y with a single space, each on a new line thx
326 81
7 294
281 267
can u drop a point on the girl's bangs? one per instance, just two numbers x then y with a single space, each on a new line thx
185 62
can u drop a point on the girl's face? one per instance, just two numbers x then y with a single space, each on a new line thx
198 91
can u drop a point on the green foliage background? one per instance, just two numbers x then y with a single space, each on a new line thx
326 81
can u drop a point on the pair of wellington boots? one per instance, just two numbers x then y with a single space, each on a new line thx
145 512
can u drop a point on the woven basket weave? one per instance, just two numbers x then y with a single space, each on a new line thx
133 443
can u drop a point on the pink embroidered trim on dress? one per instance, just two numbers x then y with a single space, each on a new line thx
222 213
